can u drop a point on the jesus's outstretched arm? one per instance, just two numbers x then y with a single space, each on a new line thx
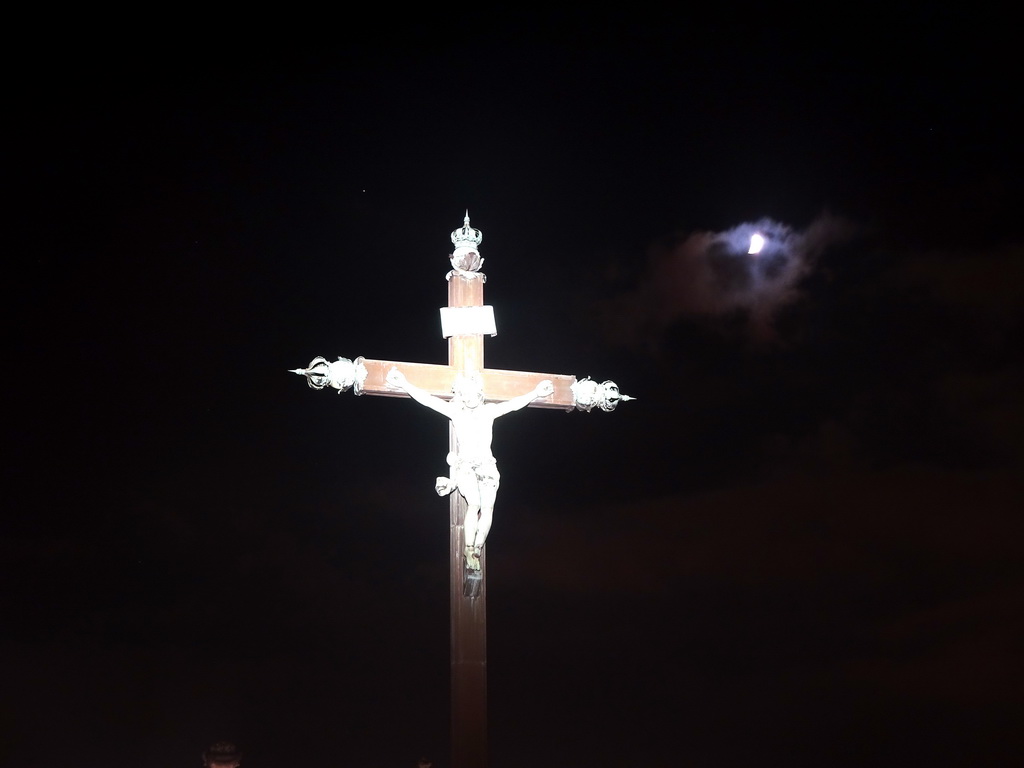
543 389
396 378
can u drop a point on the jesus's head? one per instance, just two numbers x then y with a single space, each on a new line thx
469 390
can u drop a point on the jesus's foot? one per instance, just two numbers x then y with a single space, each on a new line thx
473 558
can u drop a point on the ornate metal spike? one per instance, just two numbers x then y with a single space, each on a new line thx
587 394
341 374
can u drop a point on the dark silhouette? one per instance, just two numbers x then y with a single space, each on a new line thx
222 754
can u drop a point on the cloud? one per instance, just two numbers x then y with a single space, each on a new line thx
711 275
964 333
859 527
965 648
986 281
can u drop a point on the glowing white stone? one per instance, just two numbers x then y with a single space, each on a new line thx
756 243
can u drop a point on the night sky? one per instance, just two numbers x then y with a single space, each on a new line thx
800 546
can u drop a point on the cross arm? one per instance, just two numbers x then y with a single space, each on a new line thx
433 379
502 385
366 376
437 380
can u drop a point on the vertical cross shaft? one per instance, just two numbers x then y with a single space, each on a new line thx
468 614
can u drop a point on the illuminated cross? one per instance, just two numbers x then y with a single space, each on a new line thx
464 322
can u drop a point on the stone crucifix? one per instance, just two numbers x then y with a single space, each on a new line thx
474 471
471 397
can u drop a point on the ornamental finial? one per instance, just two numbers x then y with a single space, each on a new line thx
466 258
466 237
341 374
587 393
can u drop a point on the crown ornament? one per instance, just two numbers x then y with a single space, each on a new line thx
587 394
466 259
341 374
466 236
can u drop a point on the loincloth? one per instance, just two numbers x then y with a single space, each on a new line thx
484 471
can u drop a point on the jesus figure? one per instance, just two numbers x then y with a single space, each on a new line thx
474 471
